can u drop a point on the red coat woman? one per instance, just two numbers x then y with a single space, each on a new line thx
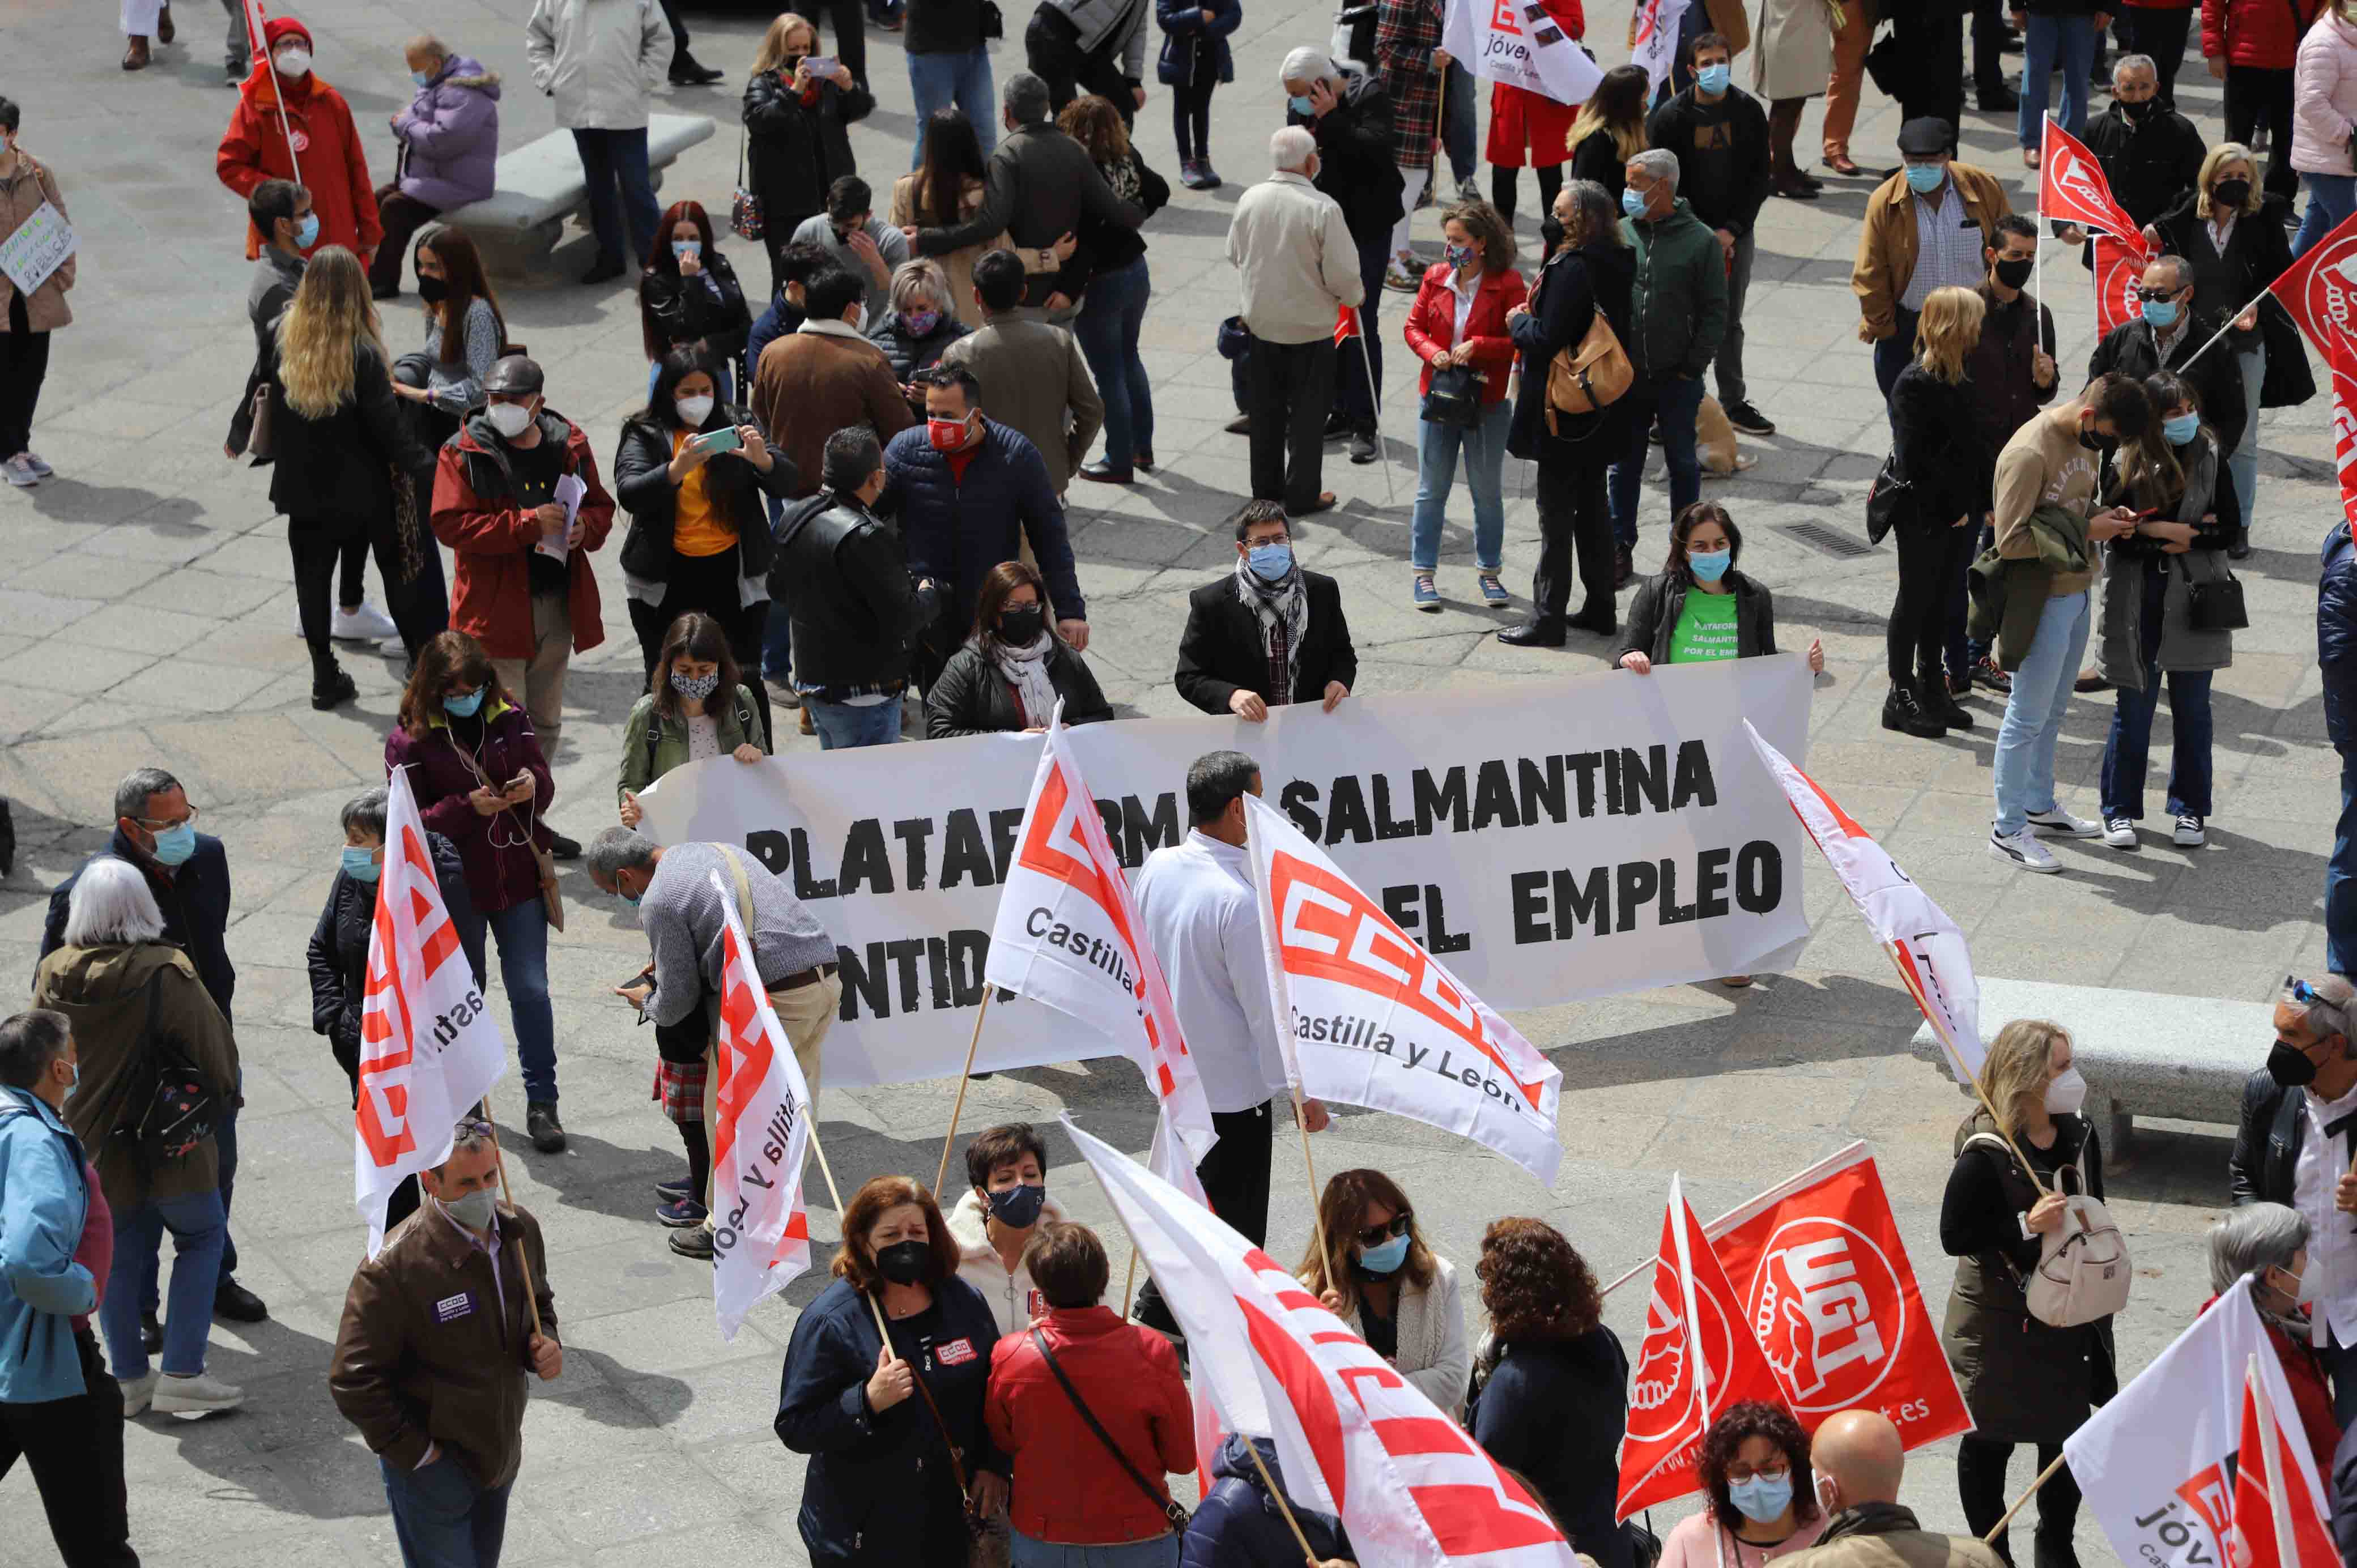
326 144
1522 121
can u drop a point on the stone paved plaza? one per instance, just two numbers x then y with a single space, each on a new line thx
147 616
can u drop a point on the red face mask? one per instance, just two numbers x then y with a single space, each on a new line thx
947 434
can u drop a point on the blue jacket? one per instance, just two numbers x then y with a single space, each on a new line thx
1552 1411
1191 45
195 902
878 1487
1238 1525
44 1199
957 530
2336 636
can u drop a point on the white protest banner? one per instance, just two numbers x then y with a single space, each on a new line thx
1551 841
38 246
1068 934
760 1133
1367 1018
1353 1437
429 1046
2152 1464
1653 38
1518 43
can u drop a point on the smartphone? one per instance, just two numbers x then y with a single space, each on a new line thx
820 65
723 439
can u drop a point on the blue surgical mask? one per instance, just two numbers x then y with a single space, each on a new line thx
360 863
1631 203
75 1082
1269 562
625 897
1385 1259
1019 1207
307 231
175 845
2182 428
2160 312
1300 105
423 78
1762 1499
464 707
1713 78
1709 565
1926 178
685 248
1460 256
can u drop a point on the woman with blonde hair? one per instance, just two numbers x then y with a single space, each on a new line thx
1395 1293
2024 1379
340 444
1945 469
797 141
1610 129
922 323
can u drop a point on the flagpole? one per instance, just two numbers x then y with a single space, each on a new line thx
966 1078
836 1194
2223 330
499 1164
1367 363
1130 1283
1276 1495
261 47
1931 1016
2043 1476
1317 1209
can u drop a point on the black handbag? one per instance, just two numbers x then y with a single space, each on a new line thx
1890 500
1171 1509
2213 606
1454 397
172 1108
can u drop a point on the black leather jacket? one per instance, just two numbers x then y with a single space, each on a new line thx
2266 1144
843 575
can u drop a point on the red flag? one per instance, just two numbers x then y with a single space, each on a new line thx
2071 188
2279 1521
1346 324
2320 291
2120 263
1699 1358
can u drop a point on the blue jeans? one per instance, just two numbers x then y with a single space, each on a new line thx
842 725
1484 445
198 1227
1162 1552
2340 886
2243 466
2188 720
2024 766
523 935
442 1518
609 157
2331 197
2049 44
1677 402
1112 309
953 80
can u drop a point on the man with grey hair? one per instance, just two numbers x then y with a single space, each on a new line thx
2297 1130
2167 336
680 909
155 830
1298 265
2150 153
438 1331
1350 115
2268 1243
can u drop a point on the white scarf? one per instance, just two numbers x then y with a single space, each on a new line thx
1283 600
1026 670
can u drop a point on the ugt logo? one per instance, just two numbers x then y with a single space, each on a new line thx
1827 1304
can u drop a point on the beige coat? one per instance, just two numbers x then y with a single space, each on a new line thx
1795 57
1035 382
2044 465
959 263
21 194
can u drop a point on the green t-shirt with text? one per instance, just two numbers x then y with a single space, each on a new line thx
1706 628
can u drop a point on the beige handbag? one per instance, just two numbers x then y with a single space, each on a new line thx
2082 1270
1591 375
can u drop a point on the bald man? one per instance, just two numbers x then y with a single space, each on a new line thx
1859 1462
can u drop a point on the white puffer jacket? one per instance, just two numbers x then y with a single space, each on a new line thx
1010 1295
600 59
2324 96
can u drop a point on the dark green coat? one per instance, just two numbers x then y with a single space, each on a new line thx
1677 306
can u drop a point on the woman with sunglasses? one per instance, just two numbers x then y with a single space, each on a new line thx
1379 1277
1761 1497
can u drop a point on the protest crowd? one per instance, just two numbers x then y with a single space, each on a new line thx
842 509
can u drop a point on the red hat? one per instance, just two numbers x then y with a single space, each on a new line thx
278 28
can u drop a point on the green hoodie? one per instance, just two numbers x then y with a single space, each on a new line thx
1677 306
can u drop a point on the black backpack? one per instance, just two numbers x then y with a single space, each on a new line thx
171 1109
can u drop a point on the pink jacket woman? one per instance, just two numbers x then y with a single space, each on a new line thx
450 137
2324 97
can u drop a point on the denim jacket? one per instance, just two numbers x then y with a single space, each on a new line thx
44 1197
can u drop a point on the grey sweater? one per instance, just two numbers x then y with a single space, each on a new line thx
1118 23
681 915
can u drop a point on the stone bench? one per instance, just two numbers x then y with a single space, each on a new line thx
2144 1054
539 185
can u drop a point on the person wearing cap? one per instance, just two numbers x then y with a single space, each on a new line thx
524 587
1926 227
284 97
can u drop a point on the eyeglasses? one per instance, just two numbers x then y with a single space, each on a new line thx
155 826
1739 1472
1376 1235
472 1127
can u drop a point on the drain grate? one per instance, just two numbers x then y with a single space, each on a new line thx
1826 540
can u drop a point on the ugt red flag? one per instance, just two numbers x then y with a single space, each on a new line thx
1830 1296
2119 273
1699 1358
2071 188
1353 1437
2320 291
2279 1519
1367 1018
1926 945
760 1232
429 1046
1068 935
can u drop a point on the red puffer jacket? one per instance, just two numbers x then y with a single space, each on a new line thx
1067 1488
1432 326
2254 32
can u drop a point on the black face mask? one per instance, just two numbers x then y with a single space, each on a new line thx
1019 625
2138 112
2093 442
432 290
2230 193
904 1263
2291 1069
2013 275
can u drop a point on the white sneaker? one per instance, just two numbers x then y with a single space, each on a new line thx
2119 832
20 471
39 467
2059 824
2191 833
137 1393
364 623
2023 850
195 1396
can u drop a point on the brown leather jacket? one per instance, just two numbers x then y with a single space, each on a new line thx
423 1354
1885 242
1884 1535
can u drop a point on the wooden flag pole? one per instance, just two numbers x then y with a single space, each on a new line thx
499 1164
1317 1209
1957 1057
1276 1496
941 1174
836 1194
1130 1283
2043 1476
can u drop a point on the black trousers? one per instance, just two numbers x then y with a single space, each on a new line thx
1291 388
23 364
402 216
1502 180
678 33
2257 94
1988 46
2161 34
74 1448
1190 113
1931 556
1236 1180
1575 517
1052 48
319 556
1934 48
709 582
850 29
1980 1482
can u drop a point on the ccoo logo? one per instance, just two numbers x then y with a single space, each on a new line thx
1828 1308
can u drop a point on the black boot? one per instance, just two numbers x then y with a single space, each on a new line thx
541 1125
2239 547
1539 631
1902 712
1933 696
1598 615
330 687
686 71
2054 1549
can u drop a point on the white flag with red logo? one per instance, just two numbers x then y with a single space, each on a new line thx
1353 1437
429 1045
2280 1522
1926 945
2154 1463
1068 935
761 1132
2073 188
2320 290
1368 1018
1519 43
2119 273
1653 40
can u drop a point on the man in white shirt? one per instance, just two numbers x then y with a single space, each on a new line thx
1203 918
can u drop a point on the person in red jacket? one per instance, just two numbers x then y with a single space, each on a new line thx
285 101
1530 127
1073 1488
2252 45
524 587
1458 320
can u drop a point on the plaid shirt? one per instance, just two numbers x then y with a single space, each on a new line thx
1280 664
1406 32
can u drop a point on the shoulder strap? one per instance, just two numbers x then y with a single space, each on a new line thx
1153 1494
743 893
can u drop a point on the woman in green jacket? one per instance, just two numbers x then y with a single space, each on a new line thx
684 717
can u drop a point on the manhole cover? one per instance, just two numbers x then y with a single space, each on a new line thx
1827 541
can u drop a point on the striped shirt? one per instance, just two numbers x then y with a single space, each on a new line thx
1947 248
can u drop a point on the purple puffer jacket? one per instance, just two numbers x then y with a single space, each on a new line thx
450 137
502 870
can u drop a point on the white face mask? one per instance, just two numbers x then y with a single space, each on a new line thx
293 62
2305 1283
508 418
2066 1093
693 411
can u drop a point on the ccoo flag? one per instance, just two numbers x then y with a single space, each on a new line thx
760 1232
1519 43
2279 1521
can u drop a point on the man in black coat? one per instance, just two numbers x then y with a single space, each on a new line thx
1351 116
2137 347
2150 153
1267 635
188 872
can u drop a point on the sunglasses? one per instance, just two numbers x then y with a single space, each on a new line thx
1376 1235
2155 295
